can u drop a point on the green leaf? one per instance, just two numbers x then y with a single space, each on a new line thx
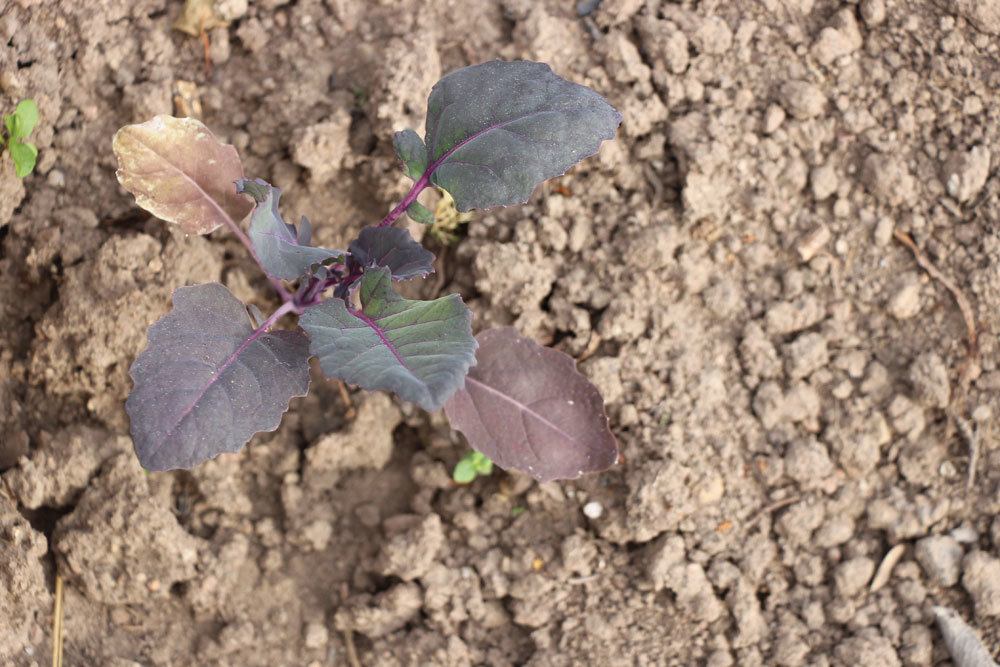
420 213
23 120
420 350
496 130
411 150
465 471
483 465
472 465
24 156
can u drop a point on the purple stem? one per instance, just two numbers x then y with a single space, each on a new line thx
411 196
425 178
285 295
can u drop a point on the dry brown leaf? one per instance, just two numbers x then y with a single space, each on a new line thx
181 173
198 16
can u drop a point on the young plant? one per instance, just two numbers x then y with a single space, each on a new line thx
18 126
472 465
213 375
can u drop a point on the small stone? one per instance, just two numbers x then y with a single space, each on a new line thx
593 510
929 377
984 14
773 118
873 12
852 576
866 648
802 99
940 556
321 148
711 490
379 615
676 51
317 534
813 242
232 10
412 546
838 40
56 178
888 179
965 534
805 355
316 636
824 181
981 579
713 36
661 556
965 173
883 231
906 302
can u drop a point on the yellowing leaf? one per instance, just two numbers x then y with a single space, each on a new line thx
181 173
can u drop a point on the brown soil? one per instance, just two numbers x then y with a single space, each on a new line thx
794 393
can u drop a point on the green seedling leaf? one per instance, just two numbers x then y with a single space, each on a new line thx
420 350
208 381
465 471
23 120
411 150
420 213
496 130
472 465
393 248
178 171
526 407
279 245
24 155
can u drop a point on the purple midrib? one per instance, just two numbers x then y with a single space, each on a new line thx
215 378
472 137
520 406
373 325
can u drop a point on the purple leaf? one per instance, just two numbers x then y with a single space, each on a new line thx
283 251
208 381
498 129
393 248
420 350
526 407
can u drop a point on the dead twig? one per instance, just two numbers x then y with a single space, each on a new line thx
972 354
207 47
57 625
352 652
971 435
592 345
771 508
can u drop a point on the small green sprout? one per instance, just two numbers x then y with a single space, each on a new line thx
19 125
471 466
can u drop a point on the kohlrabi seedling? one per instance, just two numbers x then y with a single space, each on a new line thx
213 374
18 126
472 465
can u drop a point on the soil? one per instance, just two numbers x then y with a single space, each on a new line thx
798 395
